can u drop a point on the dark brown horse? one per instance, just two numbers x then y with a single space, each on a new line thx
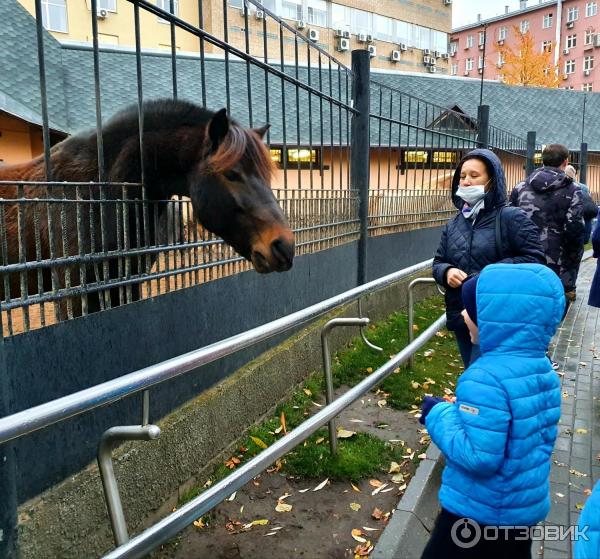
224 168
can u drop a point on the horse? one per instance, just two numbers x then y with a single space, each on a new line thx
224 168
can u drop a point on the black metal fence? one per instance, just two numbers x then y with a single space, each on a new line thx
60 258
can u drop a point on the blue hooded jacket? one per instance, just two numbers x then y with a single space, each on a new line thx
498 436
590 517
471 246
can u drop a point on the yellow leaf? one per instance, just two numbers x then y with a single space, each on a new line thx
579 506
355 488
199 523
375 483
581 431
415 328
283 507
279 429
259 442
355 506
321 485
319 440
259 522
382 403
307 392
394 468
369 370
398 478
344 434
415 385
356 534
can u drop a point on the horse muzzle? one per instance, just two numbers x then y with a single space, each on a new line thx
278 256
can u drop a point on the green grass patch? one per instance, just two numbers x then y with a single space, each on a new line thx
363 455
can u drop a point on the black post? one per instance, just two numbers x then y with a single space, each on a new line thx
583 163
8 491
359 150
530 161
483 119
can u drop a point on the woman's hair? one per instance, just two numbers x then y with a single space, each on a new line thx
488 167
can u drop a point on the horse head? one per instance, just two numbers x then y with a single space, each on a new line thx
231 195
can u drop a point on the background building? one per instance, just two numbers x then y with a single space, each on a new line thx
569 29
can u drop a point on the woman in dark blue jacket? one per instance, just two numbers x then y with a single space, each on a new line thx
469 240
594 299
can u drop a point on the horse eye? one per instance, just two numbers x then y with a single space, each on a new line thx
233 176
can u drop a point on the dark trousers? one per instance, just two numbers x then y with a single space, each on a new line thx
468 351
442 545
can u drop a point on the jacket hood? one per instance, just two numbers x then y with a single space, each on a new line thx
494 198
519 307
546 179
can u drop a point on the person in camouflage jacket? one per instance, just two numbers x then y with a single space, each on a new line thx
555 204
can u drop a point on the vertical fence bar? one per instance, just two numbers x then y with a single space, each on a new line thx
359 151
530 161
583 163
483 120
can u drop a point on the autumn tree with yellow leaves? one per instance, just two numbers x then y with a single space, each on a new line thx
526 64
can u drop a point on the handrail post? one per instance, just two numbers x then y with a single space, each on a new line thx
360 149
109 439
483 126
530 161
583 163
334 323
411 312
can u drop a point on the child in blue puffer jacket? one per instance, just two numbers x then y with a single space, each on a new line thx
497 438
590 521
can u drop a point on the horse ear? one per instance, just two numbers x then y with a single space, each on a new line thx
218 128
262 130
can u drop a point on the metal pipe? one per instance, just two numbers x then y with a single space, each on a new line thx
334 323
109 439
411 311
362 331
38 417
162 531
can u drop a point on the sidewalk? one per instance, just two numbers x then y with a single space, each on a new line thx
576 464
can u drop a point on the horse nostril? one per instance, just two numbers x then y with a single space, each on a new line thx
283 252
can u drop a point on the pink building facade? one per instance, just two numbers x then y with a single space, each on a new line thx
569 29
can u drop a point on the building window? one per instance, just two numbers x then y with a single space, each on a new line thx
453 47
571 41
547 21
588 63
524 27
54 15
291 9
591 9
480 63
469 41
303 158
502 34
317 13
469 64
500 59
109 5
482 37
454 69
589 37
573 14
546 46
586 87
569 67
166 6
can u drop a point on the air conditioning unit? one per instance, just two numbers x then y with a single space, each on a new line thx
361 37
453 53
587 72
445 55
369 38
467 72
301 24
259 14
480 70
432 69
427 60
597 40
500 64
565 51
447 2
346 34
343 44
426 52
403 46
570 24
500 42
432 61
372 51
481 46
437 53
102 14
313 35
395 56
565 77
339 33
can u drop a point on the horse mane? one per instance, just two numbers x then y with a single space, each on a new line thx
242 144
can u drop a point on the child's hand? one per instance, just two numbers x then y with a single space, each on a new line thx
427 406
450 399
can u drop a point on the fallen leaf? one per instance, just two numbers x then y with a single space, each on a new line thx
283 507
284 497
345 434
259 522
394 468
231 463
387 490
307 392
271 534
428 352
357 535
199 523
318 405
581 431
321 485
380 488
398 478
382 403
415 328
278 430
232 497
422 456
578 474
377 514
355 488
363 550
355 506
561 495
579 506
259 442
319 440
371 529
356 421
375 483
304 490
415 384
282 421
402 487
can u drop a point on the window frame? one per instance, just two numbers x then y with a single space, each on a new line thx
547 21
570 66
588 62
167 3
591 7
45 4
502 31
571 41
572 14
524 24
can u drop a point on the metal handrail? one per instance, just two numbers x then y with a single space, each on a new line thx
44 415
165 529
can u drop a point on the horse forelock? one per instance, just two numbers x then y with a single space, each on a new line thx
242 144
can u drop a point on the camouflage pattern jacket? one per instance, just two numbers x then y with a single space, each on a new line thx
555 204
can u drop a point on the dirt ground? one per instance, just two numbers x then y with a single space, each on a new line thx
320 523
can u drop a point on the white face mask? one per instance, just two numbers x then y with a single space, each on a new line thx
472 194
